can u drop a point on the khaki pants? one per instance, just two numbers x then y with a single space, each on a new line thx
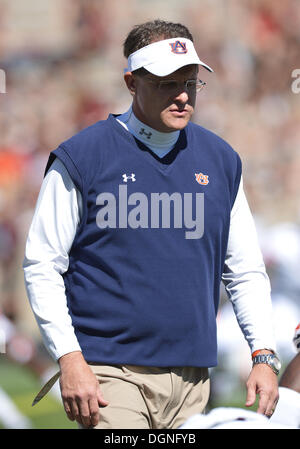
149 397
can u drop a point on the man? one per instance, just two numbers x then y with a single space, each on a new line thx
138 219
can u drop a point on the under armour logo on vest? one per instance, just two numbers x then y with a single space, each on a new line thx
132 177
148 135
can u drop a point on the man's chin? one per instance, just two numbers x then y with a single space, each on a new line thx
177 124
176 120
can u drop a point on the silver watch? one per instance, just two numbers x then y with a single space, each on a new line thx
270 359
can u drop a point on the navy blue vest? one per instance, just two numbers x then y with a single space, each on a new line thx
146 263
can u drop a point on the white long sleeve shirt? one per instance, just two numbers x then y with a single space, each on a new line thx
53 228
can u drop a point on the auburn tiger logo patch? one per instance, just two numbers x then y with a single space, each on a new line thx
202 179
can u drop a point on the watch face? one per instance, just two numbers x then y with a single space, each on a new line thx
277 364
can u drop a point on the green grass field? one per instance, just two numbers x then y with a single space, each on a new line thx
22 387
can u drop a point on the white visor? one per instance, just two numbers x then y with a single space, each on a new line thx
164 57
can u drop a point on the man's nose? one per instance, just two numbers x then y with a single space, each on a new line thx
182 96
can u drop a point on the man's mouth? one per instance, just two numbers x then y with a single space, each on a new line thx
179 112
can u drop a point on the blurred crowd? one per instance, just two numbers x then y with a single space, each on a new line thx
64 64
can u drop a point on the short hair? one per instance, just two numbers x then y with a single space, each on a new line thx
149 32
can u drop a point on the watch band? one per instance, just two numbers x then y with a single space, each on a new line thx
269 359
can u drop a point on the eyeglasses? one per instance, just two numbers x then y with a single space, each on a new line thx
172 86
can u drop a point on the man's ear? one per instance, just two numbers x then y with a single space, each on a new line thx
130 82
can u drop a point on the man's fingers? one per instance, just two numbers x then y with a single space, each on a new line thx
85 413
94 412
271 406
73 411
251 396
85 410
68 411
262 381
101 401
263 404
266 404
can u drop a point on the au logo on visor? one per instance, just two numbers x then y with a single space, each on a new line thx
178 47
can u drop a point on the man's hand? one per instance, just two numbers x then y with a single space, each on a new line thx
262 381
80 390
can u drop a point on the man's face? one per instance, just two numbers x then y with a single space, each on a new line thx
161 104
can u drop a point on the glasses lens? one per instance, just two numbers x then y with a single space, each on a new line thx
168 86
200 84
191 85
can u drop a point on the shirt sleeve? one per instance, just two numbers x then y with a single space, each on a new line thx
51 234
245 278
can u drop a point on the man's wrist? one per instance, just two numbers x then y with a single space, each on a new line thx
70 357
268 357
